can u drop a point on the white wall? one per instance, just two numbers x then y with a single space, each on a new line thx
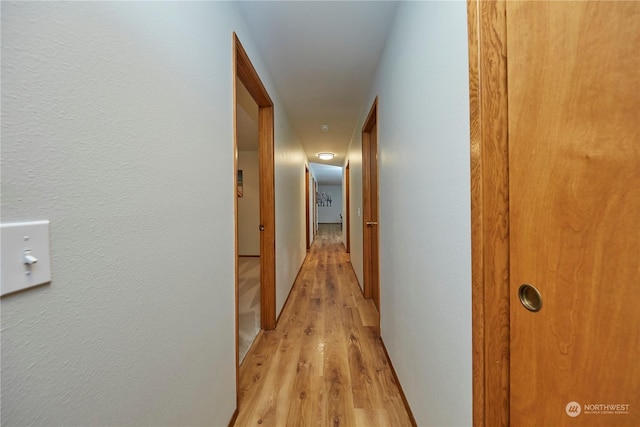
422 83
117 127
249 205
330 214
290 209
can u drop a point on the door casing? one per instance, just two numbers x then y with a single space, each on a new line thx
370 208
306 206
347 210
489 211
246 73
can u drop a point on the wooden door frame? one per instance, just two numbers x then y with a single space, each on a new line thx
347 211
246 73
315 208
489 211
369 123
306 206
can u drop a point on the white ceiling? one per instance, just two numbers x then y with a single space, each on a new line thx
322 56
326 174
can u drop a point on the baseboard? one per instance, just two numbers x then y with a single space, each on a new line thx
233 418
291 288
253 344
395 378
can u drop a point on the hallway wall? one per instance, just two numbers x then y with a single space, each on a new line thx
331 214
423 108
117 126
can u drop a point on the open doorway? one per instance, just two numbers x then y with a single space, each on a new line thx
371 234
246 76
329 191
248 219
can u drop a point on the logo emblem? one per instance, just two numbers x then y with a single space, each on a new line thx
573 409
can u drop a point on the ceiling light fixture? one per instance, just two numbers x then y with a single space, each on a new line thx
326 156
324 128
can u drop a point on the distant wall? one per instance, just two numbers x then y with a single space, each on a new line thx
330 211
249 205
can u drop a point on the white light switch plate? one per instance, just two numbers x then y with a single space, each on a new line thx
18 239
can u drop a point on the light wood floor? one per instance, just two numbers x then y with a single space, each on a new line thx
324 365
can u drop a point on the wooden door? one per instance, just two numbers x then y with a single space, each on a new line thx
371 234
574 212
306 207
347 209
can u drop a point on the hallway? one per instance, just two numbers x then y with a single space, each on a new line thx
324 364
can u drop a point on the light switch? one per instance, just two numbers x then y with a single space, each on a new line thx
24 255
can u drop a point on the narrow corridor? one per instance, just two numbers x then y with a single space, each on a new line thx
324 365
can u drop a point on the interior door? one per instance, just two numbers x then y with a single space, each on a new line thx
347 209
371 234
574 200
307 202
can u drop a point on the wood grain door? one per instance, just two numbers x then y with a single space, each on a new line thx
371 234
574 212
347 209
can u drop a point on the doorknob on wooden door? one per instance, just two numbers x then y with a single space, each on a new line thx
261 227
370 223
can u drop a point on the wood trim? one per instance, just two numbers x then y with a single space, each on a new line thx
347 211
235 223
286 301
370 122
249 76
234 417
246 73
397 381
489 211
268 219
477 306
307 201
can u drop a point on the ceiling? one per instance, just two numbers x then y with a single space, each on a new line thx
326 174
322 56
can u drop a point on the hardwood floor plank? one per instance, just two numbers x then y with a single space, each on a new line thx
324 364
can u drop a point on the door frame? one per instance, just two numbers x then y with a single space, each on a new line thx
307 207
489 211
347 210
371 274
244 71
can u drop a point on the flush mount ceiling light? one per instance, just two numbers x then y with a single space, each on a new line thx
324 128
326 156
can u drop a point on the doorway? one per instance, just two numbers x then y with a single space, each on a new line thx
371 233
307 201
248 219
246 75
347 208
555 207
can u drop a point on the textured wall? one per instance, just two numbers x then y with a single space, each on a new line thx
423 108
290 211
117 127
